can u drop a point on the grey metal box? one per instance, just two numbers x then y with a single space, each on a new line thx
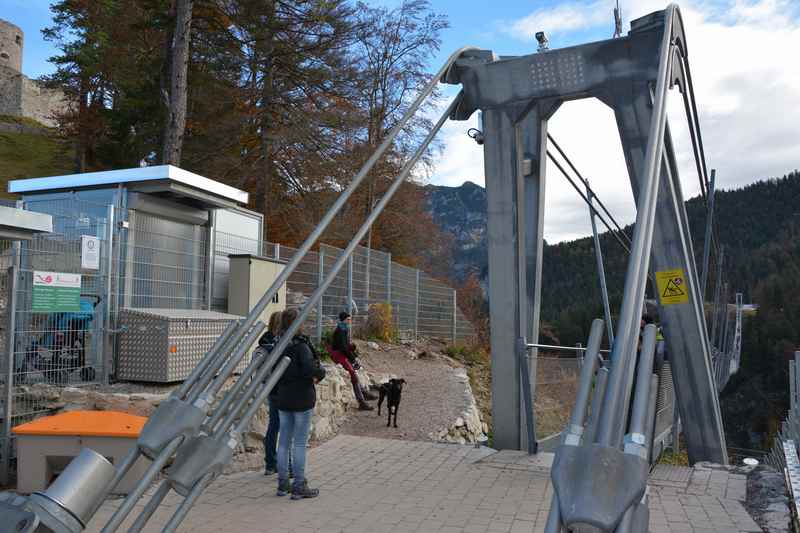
164 345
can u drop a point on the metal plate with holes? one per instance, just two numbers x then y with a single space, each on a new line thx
670 476
164 345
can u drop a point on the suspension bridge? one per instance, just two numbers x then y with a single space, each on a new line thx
601 468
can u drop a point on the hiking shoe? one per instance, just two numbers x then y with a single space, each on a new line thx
369 396
364 406
284 487
269 471
304 492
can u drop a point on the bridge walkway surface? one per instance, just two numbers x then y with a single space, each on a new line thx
382 485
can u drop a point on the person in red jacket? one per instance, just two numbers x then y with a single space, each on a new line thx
343 354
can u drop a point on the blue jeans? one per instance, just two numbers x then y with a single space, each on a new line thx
271 438
295 426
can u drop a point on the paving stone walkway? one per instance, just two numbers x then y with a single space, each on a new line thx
385 485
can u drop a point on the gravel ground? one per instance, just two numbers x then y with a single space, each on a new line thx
432 397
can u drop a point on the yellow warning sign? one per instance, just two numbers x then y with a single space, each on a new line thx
672 288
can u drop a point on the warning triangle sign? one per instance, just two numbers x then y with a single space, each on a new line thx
673 289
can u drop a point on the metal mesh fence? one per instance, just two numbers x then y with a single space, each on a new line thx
421 306
556 389
152 262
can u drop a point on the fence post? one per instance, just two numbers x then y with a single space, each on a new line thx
277 252
320 278
796 376
108 348
366 274
8 416
416 309
792 388
455 315
212 253
581 354
389 279
350 285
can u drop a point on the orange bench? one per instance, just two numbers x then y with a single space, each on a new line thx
46 445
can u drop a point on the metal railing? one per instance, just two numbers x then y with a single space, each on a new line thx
784 453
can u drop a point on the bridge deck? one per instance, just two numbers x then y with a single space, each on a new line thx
378 485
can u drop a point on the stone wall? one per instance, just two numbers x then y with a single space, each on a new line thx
10 92
41 104
468 427
12 42
23 97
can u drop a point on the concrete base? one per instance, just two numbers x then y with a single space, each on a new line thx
41 458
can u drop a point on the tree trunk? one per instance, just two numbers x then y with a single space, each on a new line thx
176 119
265 184
83 135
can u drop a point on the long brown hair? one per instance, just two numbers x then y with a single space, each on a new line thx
275 323
289 316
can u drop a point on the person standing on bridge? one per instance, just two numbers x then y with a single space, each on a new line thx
342 353
296 398
267 343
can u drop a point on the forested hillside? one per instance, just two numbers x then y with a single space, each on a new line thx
759 229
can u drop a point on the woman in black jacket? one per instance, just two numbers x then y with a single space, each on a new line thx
295 400
266 344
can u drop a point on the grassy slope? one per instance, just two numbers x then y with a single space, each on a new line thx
24 155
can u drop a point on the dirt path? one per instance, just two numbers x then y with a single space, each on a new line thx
433 398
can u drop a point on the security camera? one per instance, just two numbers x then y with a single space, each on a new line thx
544 44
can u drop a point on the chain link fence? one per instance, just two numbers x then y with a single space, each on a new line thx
555 392
152 262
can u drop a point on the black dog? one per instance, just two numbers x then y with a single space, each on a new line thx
391 391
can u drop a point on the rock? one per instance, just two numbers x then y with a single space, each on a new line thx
334 394
321 428
373 346
468 427
767 499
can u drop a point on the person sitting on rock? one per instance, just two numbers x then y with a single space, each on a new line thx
343 354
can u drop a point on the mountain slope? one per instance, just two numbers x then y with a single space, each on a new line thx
752 223
461 213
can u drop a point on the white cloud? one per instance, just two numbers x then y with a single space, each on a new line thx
747 82
564 17
462 159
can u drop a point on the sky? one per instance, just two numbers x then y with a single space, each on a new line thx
745 68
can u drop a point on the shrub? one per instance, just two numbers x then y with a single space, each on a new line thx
470 354
380 325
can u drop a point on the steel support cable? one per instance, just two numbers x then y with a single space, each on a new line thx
693 102
249 402
694 132
214 358
588 202
610 428
303 250
586 184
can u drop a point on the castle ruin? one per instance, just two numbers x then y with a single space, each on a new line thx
21 96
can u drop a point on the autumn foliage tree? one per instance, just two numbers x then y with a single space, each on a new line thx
283 98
